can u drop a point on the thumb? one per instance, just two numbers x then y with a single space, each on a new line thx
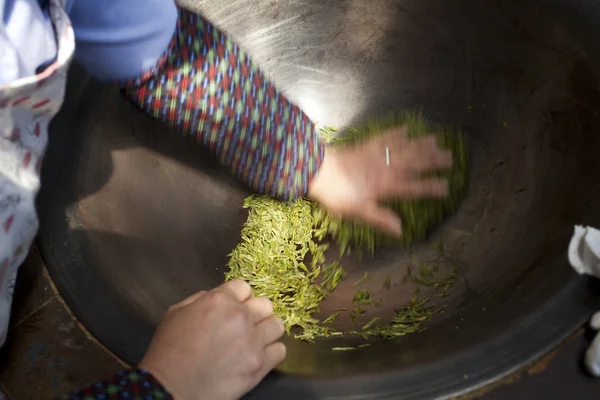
382 218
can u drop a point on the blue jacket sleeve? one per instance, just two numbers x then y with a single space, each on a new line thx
117 40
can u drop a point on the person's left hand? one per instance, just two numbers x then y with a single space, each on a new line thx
353 180
216 345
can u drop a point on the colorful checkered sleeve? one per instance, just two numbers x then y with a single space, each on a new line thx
209 88
133 384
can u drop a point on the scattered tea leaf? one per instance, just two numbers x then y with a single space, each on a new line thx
361 280
371 322
333 274
343 348
331 318
362 297
387 284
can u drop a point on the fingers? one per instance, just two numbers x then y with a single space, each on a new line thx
432 188
270 330
395 137
382 218
423 143
274 354
260 308
428 159
237 288
422 154
188 300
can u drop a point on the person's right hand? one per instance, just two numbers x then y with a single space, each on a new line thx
216 345
353 181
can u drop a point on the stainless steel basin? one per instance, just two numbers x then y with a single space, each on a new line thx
134 217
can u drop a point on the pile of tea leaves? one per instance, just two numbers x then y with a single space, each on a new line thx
279 237
276 239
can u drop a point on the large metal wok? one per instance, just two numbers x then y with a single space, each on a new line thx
134 217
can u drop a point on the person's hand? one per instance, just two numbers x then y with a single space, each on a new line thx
353 180
216 345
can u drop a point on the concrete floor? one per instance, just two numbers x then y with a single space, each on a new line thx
48 353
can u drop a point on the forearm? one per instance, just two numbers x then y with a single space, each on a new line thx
128 384
209 88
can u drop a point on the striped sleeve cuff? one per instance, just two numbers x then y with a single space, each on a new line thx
129 384
206 86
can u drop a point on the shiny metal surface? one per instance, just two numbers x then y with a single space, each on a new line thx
134 218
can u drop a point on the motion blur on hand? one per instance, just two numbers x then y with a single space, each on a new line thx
216 345
352 181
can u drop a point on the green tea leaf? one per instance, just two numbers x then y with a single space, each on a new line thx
361 280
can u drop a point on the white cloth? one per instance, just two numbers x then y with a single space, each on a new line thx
584 251
584 256
27 105
26 39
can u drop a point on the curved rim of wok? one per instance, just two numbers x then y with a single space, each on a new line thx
67 253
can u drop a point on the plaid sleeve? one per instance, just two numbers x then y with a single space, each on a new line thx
133 384
210 89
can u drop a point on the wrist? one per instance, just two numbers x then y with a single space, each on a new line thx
323 180
170 387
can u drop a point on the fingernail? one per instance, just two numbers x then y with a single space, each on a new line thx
281 325
395 228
